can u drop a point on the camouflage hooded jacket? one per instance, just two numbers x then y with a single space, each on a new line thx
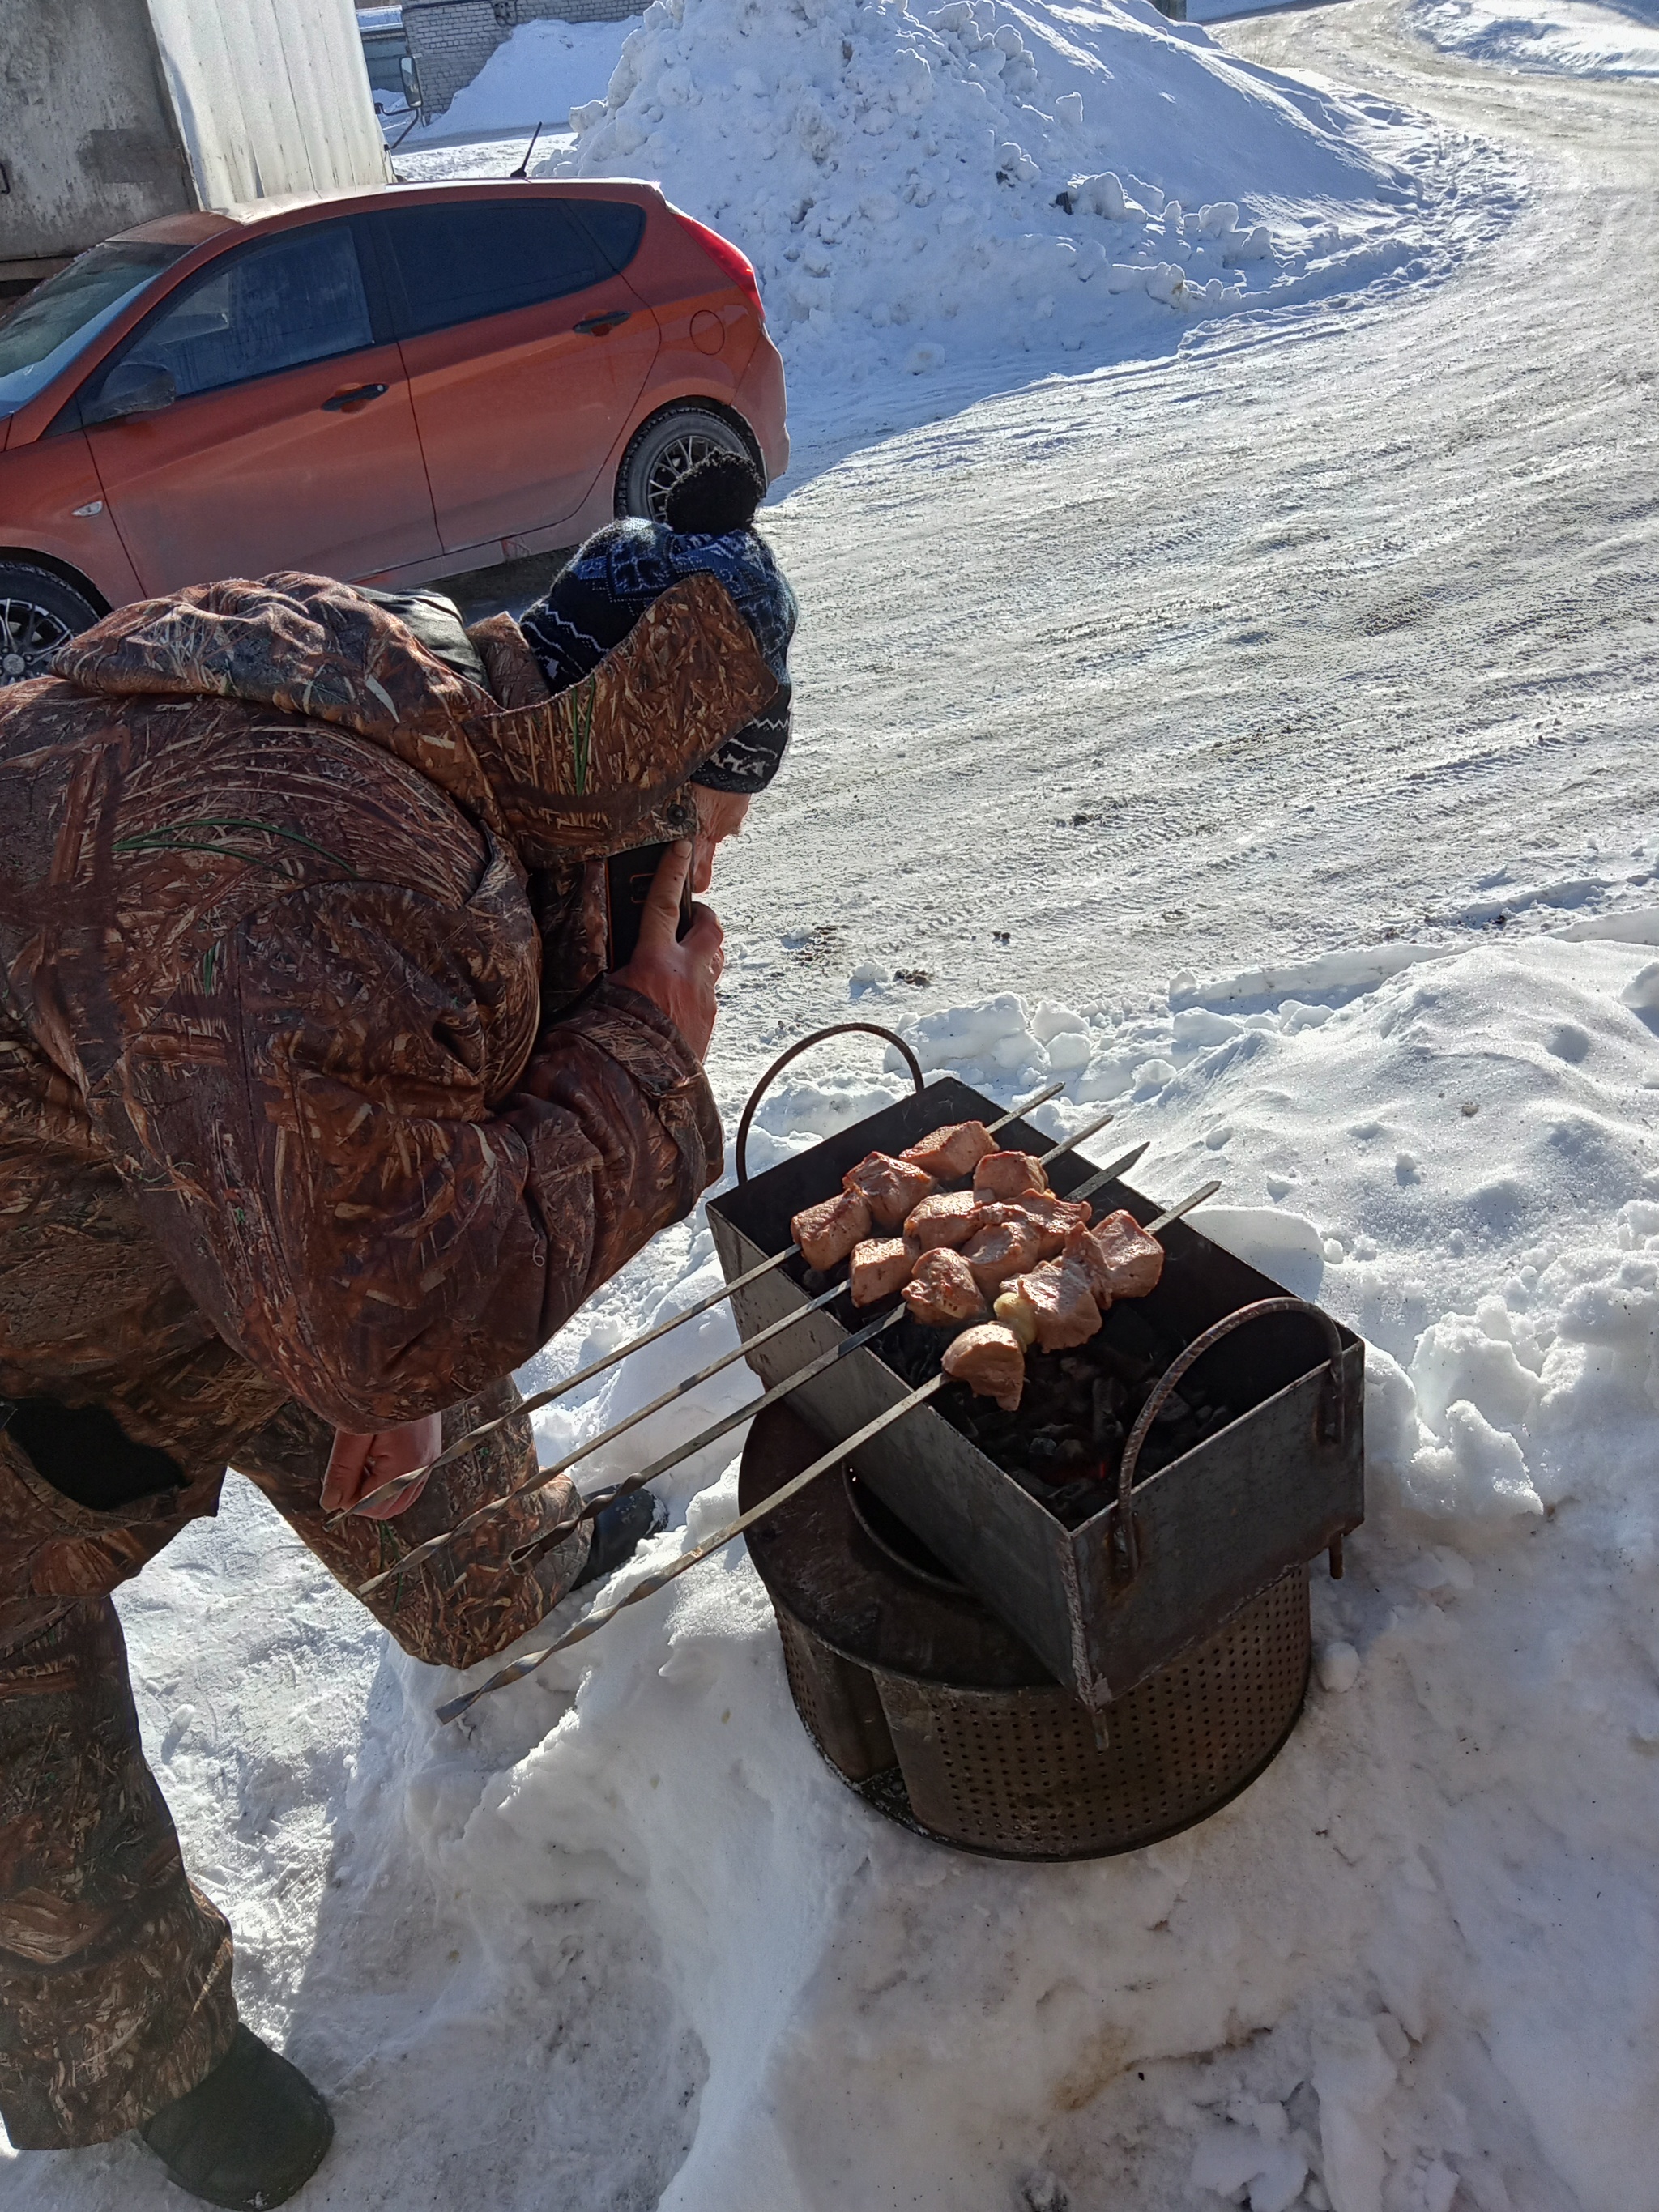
282 1111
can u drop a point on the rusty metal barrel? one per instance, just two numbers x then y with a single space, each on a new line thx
941 1718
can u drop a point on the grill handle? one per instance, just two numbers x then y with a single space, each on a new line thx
836 1029
1126 1552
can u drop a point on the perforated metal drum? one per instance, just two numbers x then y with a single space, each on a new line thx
940 1717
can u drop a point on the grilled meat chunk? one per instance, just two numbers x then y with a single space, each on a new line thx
942 1293
1052 1218
1055 1218
1006 1248
881 1265
1008 1176
948 1216
1121 1261
891 1188
1051 1306
950 1153
990 1361
827 1232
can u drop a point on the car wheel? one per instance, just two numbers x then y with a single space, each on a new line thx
38 612
660 452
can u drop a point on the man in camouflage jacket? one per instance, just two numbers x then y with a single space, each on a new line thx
317 1112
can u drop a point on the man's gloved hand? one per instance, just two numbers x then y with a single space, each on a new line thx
678 975
358 1464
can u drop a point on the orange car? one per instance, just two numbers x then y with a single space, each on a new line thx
385 386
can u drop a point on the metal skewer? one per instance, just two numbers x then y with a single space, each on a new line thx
545 1475
601 1498
651 1584
591 1507
399 1483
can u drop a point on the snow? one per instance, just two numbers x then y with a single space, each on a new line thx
623 1925
1048 176
1568 36
1255 725
536 75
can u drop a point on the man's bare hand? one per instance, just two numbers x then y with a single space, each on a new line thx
678 975
358 1464
720 816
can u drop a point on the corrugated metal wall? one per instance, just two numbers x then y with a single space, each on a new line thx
272 95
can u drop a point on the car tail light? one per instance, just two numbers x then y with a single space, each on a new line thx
725 257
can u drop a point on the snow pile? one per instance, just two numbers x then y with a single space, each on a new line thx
621 1926
980 176
1569 38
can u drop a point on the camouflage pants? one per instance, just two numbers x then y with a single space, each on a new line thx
115 1971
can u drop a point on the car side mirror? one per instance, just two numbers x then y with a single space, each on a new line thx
132 388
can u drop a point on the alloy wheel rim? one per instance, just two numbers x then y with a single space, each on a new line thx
676 458
29 636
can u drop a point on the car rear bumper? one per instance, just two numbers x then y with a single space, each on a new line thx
761 402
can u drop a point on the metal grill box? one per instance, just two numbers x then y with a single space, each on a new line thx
1274 1487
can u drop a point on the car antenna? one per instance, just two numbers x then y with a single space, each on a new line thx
523 169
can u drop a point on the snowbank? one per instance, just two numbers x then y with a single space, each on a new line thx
1569 38
622 1935
982 176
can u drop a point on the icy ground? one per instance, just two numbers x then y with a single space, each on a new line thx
1260 732
1569 35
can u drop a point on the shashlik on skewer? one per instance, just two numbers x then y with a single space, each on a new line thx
996 1355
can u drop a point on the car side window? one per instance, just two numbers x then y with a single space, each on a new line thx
293 298
459 260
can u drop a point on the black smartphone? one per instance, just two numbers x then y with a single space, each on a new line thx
627 880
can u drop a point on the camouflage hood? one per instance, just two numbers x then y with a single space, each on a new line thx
575 776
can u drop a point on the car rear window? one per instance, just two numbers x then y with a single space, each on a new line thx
50 325
459 260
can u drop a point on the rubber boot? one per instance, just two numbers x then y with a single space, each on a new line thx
618 1532
248 2135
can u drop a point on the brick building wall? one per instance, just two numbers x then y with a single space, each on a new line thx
452 39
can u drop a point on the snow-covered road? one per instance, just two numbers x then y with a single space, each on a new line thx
1335 613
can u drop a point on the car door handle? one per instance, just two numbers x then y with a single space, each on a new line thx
359 396
597 326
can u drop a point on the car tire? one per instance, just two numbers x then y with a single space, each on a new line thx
661 450
38 612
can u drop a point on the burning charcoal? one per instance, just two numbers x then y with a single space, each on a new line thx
881 1265
891 1188
1006 1249
1070 1452
1050 1307
942 1293
1008 1175
990 1361
1043 1449
944 1217
1076 1502
827 1233
1121 1259
950 1153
